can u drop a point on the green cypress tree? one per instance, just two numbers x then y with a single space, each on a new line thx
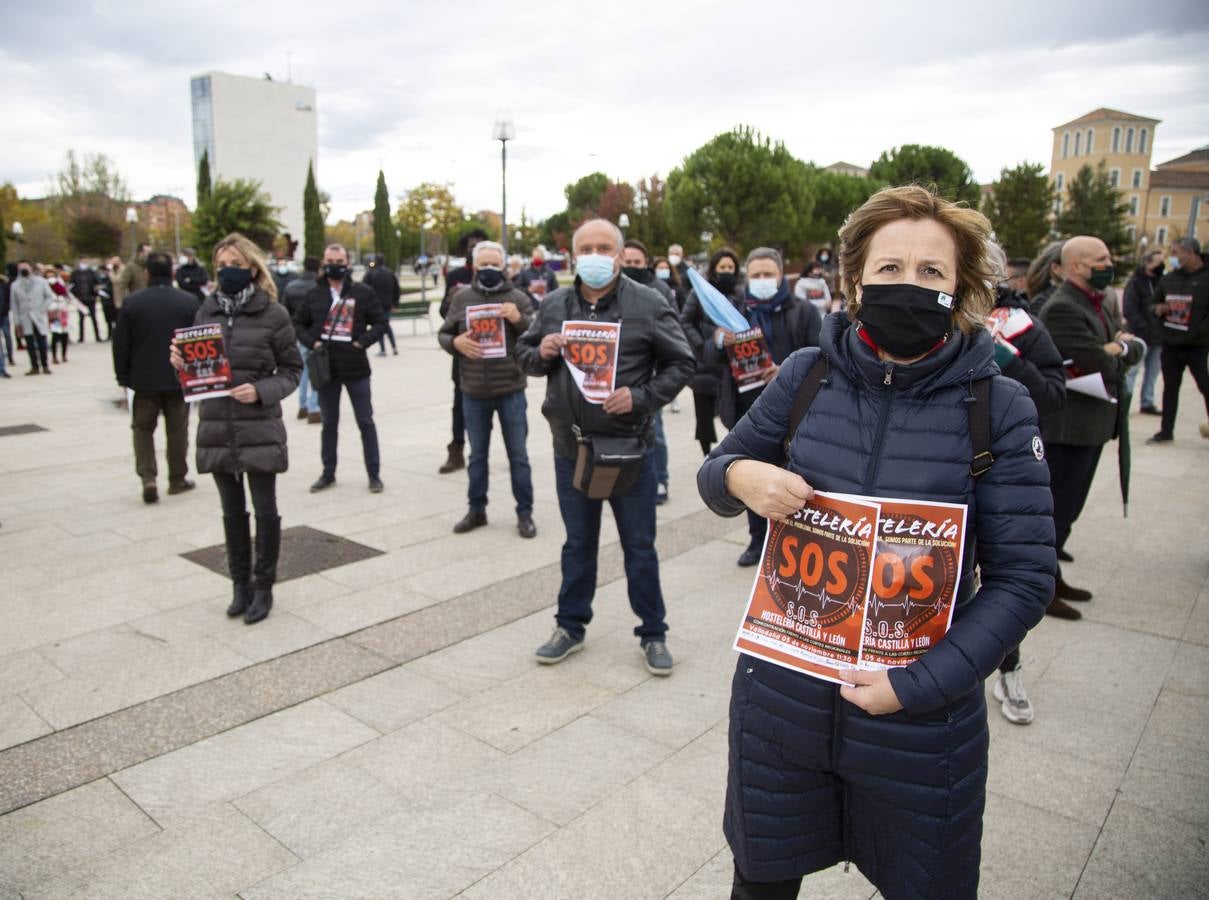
203 178
313 235
385 241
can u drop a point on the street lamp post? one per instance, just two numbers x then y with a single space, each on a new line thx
132 217
623 222
504 132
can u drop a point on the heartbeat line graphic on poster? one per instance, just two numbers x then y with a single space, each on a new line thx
821 598
876 605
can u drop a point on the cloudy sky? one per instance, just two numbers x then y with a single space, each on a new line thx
628 88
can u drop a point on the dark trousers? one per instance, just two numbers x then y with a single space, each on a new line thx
59 342
263 487
91 314
459 416
388 336
363 411
1071 471
742 889
514 424
635 516
705 407
35 343
148 405
1175 360
6 331
110 311
757 527
1011 660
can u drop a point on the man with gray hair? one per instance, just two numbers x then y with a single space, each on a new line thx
491 382
538 279
1182 307
649 363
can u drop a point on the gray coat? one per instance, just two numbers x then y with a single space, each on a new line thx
31 301
250 437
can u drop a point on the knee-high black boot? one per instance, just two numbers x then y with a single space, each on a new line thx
268 548
239 562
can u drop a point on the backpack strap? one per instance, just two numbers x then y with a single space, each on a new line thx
807 391
978 408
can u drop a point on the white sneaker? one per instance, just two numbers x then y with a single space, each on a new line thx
1014 702
676 405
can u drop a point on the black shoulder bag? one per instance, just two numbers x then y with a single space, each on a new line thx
319 360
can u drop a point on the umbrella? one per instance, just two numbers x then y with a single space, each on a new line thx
1123 452
716 306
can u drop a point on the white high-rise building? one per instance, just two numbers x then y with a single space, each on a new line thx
259 130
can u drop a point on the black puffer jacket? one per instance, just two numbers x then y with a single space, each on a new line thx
1139 297
485 378
349 363
1039 365
814 779
250 437
797 326
707 377
654 361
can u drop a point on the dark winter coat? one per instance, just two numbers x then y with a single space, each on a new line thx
84 285
192 277
797 325
1039 366
385 285
349 363
814 779
296 290
654 360
250 437
542 273
1139 298
1196 285
699 329
1080 334
143 332
487 378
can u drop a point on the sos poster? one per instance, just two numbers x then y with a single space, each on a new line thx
207 370
1179 311
749 359
338 326
485 322
807 605
590 352
854 583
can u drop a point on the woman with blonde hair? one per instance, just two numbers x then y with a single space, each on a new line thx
889 770
242 437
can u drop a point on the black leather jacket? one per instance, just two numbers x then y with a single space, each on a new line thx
654 360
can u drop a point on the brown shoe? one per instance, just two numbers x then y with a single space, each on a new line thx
456 460
46 370
34 371
470 521
1060 610
303 414
314 418
1066 592
179 487
150 494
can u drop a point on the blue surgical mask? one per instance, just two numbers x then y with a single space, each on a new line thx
595 270
663 274
763 288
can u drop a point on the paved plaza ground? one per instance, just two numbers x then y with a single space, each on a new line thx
386 733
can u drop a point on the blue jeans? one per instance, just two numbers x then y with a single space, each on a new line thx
363 410
308 397
515 426
635 516
1151 366
7 331
659 451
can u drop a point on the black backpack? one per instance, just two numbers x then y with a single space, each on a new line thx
978 408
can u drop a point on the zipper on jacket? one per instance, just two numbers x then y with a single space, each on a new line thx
882 422
889 374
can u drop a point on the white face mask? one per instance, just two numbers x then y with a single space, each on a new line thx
674 259
763 288
1173 263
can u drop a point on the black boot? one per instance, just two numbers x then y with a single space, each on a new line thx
268 548
455 461
239 562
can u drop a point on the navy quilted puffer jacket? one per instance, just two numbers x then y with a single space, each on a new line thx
814 779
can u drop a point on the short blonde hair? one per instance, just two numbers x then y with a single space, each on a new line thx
255 257
970 230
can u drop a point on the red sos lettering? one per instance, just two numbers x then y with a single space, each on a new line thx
808 564
484 326
747 349
890 576
582 354
199 351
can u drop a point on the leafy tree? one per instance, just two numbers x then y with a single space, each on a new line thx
312 216
3 248
1019 207
1093 206
89 198
238 205
385 241
921 164
835 196
92 235
556 231
648 220
743 188
583 197
432 203
203 178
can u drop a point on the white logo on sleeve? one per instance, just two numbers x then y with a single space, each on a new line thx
1038 448
945 300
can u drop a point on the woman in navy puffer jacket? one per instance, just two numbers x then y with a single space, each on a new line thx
890 772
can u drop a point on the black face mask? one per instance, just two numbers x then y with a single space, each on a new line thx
232 279
1159 269
335 271
490 278
725 282
636 273
24 273
906 320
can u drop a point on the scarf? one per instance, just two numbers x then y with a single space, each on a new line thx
234 305
762 313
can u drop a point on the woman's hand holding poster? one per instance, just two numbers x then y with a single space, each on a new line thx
854 583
